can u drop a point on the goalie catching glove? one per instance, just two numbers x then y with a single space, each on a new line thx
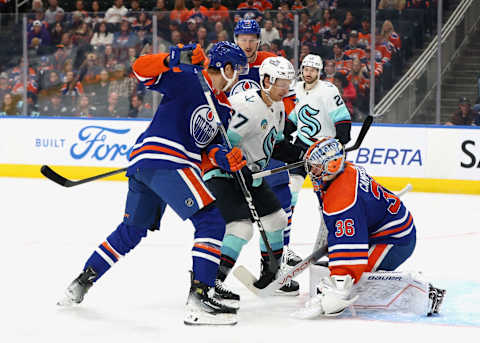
332 298
228 160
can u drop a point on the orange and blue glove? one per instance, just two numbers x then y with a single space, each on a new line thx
195 54
228 160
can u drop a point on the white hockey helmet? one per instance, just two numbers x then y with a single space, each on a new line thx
313 61
276 68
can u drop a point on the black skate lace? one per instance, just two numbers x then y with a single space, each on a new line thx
221 287
291 255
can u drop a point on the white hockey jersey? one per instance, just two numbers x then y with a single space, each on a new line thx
317 111
255 127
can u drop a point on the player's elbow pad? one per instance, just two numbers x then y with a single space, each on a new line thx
149 66
343 131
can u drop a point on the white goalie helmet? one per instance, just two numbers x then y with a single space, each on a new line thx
276 68
313 61
325 158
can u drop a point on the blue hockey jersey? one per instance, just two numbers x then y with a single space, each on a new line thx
360 213
252 81
183 124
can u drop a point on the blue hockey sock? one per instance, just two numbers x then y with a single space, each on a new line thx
119 243
209 231
286 231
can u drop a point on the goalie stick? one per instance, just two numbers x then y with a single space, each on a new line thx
50 174
285 274
363 132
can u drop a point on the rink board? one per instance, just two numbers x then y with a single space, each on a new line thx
431 158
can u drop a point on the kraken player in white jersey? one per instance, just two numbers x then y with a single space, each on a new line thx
255 128
319 112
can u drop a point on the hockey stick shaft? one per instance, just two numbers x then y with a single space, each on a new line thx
239 176
52 175
363 132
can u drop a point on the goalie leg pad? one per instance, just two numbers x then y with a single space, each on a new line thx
403 292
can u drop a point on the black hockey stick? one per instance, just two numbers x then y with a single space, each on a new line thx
273 265
49 173
363 132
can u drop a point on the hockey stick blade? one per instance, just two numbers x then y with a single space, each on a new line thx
284 275
49 173
363 132
52 175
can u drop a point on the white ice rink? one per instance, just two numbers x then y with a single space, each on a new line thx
48 232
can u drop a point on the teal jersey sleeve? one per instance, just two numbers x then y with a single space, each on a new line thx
339 114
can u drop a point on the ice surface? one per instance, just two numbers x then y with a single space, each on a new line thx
49 231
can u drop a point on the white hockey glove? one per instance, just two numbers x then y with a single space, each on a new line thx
331 299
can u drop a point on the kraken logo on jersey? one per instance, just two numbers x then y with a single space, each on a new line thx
244 85
268 145
306 116
202 126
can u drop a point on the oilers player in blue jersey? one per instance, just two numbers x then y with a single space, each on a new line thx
369 228
247 36
165 169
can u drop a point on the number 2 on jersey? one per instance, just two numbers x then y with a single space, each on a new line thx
338 100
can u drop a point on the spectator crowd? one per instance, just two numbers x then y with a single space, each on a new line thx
80 53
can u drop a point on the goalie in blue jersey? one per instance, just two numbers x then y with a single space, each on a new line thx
165 169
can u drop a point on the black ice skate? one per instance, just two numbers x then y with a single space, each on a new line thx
78 288
266 276
435 296
226 296
291 288
203 309
290 258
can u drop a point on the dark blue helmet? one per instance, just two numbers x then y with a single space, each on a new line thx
247 27
224 53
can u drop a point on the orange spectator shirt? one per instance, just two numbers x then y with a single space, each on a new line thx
218 14
203 10
179 15
257 5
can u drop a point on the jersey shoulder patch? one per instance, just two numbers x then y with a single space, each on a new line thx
342 192
243 98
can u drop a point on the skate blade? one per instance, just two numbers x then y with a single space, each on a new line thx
230 303
66 302
281 293
195 319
